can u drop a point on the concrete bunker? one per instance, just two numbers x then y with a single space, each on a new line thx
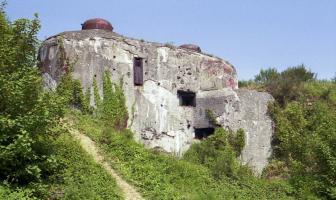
186 98
161 116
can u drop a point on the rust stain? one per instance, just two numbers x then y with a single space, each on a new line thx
216 67
230 83
97 23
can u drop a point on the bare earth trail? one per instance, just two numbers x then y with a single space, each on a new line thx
90 147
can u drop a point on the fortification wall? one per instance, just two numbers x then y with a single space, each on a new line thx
156 111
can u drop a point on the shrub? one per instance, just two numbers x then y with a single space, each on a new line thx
305 141
15 194
112 109
266 77
71 93
27 114
219 153
237 141
285 86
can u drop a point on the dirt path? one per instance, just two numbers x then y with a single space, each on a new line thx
90 147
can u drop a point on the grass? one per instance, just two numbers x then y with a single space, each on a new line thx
160 176
79 177
82 177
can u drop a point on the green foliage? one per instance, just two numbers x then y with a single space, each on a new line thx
160 176
276 169
15 194
212 119
267 76
237 141
86 107
113 109
71 92
27 114
97 97
305 127
284 86
315 91
304 140
219 152
81 178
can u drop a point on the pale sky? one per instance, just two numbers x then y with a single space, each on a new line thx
249 34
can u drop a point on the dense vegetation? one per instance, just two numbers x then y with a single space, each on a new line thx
305 130
160 176
28 115
40 160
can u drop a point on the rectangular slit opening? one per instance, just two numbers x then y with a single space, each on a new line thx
138 71
202 133
187 98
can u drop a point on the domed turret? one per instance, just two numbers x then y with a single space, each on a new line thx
191 47
97 23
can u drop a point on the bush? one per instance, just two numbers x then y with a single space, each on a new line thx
267 77
70 92
15 194
305 141
304 138
219 153
27 114
114 110
287 85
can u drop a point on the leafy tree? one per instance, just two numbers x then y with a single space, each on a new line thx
287 85
27 114
267 76
305 141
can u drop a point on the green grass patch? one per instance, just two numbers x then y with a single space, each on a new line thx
82 177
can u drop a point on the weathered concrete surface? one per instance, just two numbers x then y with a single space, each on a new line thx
155 114
250 114
244 109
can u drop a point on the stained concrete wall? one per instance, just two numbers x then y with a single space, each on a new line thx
155 114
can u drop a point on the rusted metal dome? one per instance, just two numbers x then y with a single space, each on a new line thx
97 23
191 47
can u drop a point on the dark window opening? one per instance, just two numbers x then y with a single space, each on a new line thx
202 133
187 98
138 71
